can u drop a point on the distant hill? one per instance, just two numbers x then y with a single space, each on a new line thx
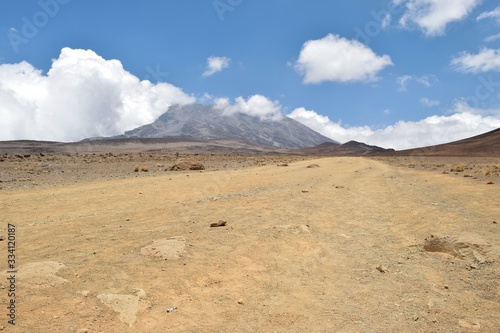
205 122
351 148
487 144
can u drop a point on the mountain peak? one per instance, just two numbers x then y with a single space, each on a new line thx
207 122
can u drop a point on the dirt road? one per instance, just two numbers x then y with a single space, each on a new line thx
333 248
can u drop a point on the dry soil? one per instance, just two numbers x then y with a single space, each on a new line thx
349 245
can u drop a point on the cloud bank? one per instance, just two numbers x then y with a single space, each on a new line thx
84 95
337 59
256 106
432 16
81 96
462 123
215 65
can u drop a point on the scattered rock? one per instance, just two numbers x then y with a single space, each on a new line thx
41 274
168 248
221 223
311 166
472 266
172 309
125 305
466 247
187 164
140 293
381 268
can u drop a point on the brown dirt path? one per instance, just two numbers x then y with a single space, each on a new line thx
299 253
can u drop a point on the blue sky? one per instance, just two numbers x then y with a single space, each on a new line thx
399 73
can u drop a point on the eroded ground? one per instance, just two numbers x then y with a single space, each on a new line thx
348 245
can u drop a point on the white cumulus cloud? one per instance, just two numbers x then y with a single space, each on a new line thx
462 123
425 101
337 59
484 61
81 96
432 16
215 65
256 106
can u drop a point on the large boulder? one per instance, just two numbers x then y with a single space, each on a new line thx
187 164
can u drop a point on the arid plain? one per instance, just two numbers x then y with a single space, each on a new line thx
332 244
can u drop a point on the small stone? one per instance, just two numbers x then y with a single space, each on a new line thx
83 330
446 287
140 292
241 302
221 223
172 309
305 191
381 268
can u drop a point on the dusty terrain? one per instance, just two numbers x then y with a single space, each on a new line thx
347 245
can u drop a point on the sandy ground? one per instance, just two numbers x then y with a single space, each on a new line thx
336 248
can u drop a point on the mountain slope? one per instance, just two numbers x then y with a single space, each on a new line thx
487 144
206 122
351 148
